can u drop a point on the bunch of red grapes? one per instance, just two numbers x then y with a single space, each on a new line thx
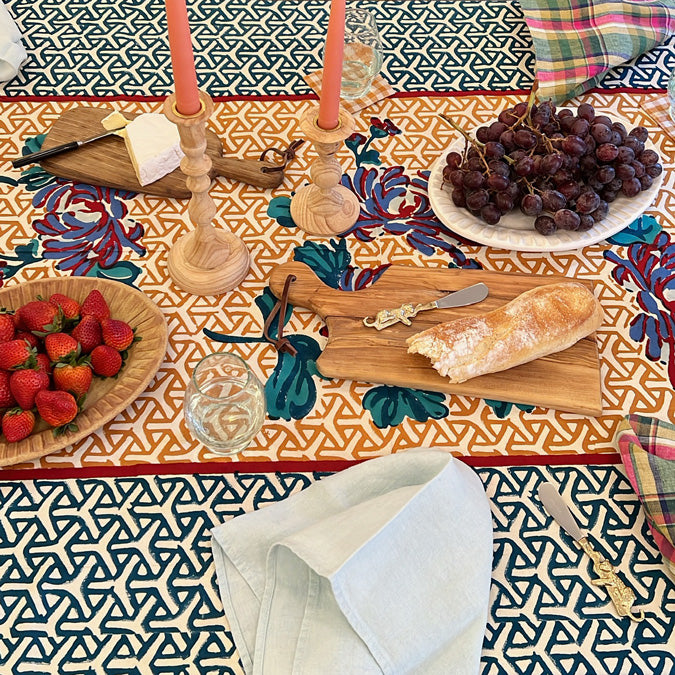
560 168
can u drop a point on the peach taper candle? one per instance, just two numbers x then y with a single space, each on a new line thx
182 58
331 79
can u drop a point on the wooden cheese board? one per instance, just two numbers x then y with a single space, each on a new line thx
106 397
106 162
568 380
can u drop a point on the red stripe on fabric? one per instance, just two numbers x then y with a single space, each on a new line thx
154 99
459 94
521 92
312 96
175 468
544 460
188 468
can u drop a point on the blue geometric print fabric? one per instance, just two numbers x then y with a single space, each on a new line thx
115 575
263 47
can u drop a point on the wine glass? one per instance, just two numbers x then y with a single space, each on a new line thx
224 403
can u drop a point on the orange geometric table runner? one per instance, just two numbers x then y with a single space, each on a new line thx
341 424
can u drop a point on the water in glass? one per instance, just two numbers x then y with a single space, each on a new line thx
224 403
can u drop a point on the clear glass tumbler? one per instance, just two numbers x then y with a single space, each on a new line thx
224 403
362 53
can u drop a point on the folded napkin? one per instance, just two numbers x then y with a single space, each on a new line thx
379 89
647 448
12 53
577 41
382 568
657 109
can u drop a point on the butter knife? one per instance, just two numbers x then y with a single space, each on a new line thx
465 296
621 595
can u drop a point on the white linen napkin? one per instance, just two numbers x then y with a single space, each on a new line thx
382 568
12 53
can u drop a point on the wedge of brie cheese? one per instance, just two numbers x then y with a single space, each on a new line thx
154 146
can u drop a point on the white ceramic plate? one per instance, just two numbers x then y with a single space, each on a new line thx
515 231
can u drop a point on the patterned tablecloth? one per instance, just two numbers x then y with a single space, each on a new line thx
105 562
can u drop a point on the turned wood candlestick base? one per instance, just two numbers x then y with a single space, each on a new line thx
325 207
206 261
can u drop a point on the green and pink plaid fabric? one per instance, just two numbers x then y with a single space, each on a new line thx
577 41
647 448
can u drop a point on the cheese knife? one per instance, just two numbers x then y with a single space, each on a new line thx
465 296
621 595
34 157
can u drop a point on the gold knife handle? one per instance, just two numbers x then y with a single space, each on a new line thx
621 595
388 317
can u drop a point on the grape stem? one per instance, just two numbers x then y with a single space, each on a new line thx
456 126
530 103
474 141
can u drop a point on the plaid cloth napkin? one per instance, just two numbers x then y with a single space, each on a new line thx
647 448
379 89
577 41
658 110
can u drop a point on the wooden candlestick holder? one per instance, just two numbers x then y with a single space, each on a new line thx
325 207
206 261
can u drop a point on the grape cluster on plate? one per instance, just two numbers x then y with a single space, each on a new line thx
560 168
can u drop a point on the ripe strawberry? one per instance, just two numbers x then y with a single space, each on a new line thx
95 305
57 408
73 378
17 321
16 353
106 361
117 334
7 328
69 307
6 398
17 424
32 340
61 347
24 384
88 333
43 364
40 317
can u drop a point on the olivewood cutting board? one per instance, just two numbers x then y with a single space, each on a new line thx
106 162
568 380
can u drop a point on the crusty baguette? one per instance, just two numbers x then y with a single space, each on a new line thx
541 321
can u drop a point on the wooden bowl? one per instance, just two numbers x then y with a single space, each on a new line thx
107 397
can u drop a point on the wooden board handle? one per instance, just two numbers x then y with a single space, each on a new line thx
396 285
248 171
306 291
